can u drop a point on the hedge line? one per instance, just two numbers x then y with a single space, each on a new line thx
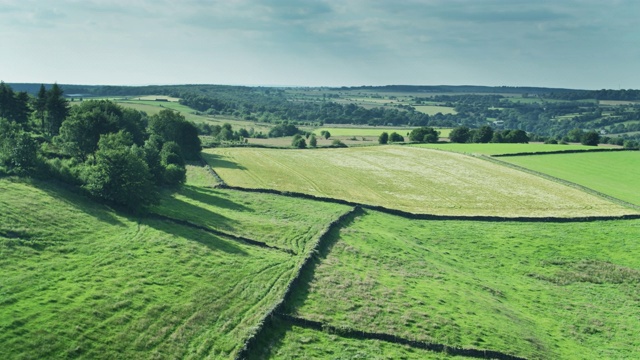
220 233
410 215
266 323
559 152
362 335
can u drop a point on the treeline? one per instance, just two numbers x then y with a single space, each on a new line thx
604 94
117 155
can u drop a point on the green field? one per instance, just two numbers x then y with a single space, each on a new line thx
80 280
407 178
434 109
541 291
369 131
616 173
495 149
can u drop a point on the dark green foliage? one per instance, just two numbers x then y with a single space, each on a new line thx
483 135
590 138
515 136
383 138
172 126
57 109
325 134
395 137
298 142
18 150
175 174
575 135
338 143
119 175
424 135
283 130
14 106
171 154
313 142
460 134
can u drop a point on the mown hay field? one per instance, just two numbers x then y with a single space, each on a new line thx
81 280
495 149
613 173
434 109
536 290
409 179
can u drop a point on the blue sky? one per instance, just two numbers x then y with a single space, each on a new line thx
589 44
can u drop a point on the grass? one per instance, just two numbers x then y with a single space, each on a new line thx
434 109
80 280
406 178
363 131
294 342
495 149
562 290
616 174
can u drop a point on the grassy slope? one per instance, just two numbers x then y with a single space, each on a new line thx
494 149
616 174
81 280
553 291
406 178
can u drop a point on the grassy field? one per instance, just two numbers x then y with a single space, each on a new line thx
294 342
495 149
80 280
558 290
433 109
616 173
407 178
372 132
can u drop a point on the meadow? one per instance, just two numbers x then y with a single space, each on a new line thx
82 280
499 148
409 179
435 109
561 290
369 131
613 173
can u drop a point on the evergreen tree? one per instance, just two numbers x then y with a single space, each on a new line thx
57 108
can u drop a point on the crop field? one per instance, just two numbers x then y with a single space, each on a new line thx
495 149
433 109
407 178
540 291
616 174
80 280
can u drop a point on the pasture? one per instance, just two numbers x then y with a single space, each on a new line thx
616 174
81 280
409 179
540 291
434 109
496 149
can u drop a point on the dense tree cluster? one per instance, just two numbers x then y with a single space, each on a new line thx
117 155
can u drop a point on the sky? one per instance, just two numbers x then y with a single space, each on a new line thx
580 44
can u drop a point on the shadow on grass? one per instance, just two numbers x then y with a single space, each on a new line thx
209 240
211 197
273 342
216 161
78 199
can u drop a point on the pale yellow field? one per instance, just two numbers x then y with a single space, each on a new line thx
406 178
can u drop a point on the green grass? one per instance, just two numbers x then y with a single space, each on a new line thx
363 131
616 173
80 280
406 178
434 109
495 149
542 291
294 342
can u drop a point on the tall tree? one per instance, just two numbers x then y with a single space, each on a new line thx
41 107
57 109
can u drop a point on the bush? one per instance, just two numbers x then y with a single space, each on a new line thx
395 137
298 142
383 138
338 143
175 174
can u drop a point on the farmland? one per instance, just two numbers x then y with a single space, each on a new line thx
555 291
406 178
615 174
495 149
80 280
371 131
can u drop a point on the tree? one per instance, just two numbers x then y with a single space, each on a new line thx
298 142
460 134
57 108
383 138
312 141
395 137
326 134
18 150
483 135
120 176
424 134
516 136
41 107
575 135
172 126
590 138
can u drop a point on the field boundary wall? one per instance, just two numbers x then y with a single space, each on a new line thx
265 324
416 216
576 151
363 335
